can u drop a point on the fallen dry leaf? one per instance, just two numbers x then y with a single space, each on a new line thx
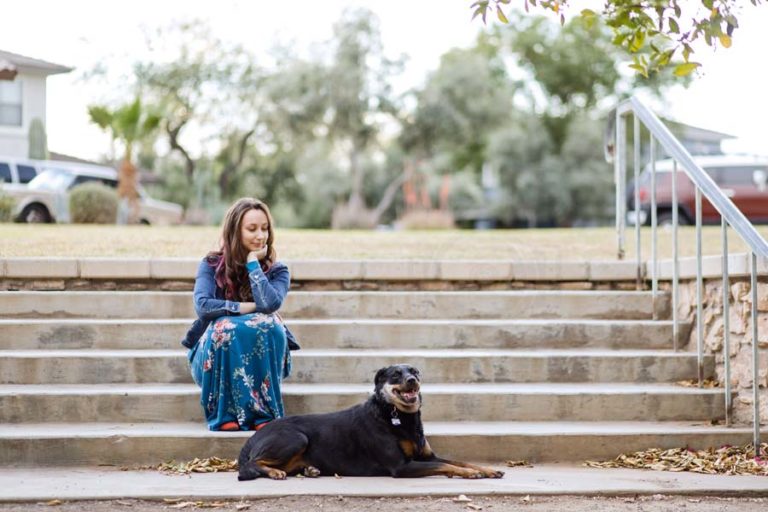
727 460
462 498
519 463
184 504
474 507
694 383
54 503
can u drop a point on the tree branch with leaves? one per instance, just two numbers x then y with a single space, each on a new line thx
656 33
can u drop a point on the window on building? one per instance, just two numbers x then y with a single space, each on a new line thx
10 103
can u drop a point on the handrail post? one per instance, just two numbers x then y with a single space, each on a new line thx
619 167
755 361
654 222
636 165
726 324
699 293
675 262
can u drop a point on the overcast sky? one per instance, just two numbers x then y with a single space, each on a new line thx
728 96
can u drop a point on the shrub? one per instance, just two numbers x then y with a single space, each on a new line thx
93 203
6 207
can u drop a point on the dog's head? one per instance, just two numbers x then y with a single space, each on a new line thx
400 386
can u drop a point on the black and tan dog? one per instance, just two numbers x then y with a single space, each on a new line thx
383 436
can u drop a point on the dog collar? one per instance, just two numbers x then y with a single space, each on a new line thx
395 420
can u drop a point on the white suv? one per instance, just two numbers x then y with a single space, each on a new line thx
46 197
13 170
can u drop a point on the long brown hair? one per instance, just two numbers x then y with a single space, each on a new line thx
230 259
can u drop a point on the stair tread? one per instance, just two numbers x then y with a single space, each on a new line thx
490 428
356 352
351 321
346 388
342 293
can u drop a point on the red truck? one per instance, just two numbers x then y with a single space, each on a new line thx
742 178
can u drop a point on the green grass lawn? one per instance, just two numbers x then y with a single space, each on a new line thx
20 240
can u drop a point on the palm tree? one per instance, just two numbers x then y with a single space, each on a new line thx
129 124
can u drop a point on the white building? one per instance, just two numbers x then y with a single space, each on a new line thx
22 99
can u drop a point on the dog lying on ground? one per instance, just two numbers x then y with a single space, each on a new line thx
383 436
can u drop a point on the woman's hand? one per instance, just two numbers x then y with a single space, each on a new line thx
247 307
258 255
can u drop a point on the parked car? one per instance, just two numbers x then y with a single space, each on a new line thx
742 178
15 171
46 197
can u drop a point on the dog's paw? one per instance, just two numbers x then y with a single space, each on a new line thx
311 472
492 473
276 474
473 475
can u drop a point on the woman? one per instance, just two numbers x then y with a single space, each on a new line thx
238 349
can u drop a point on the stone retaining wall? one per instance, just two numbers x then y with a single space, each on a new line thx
740 338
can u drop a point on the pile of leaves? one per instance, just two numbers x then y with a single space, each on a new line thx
728 460
196 465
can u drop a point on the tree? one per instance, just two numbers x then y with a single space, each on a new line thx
570 70
206 83
654 32
462 102
129 124
359 94
343 97
557 174
537 136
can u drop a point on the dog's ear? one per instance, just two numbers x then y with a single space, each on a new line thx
381 377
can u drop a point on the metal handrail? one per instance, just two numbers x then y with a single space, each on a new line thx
701 179
730 215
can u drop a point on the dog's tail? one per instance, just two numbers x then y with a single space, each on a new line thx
247 471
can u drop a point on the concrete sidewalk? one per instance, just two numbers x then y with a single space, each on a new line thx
41 484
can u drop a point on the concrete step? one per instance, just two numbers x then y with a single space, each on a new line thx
546 486
444 402
24 334
79 444
78 366
349 304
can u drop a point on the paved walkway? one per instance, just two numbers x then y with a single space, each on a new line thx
41 484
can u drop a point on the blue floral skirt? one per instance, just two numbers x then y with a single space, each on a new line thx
240 363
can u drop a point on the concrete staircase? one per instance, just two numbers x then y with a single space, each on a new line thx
99 377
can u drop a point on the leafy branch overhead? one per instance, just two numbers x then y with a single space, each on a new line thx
657 33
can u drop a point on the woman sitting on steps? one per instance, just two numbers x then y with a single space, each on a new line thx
239 352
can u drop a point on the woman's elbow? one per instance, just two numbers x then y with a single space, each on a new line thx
271 306
204 310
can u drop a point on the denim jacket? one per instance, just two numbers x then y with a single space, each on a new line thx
269 290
